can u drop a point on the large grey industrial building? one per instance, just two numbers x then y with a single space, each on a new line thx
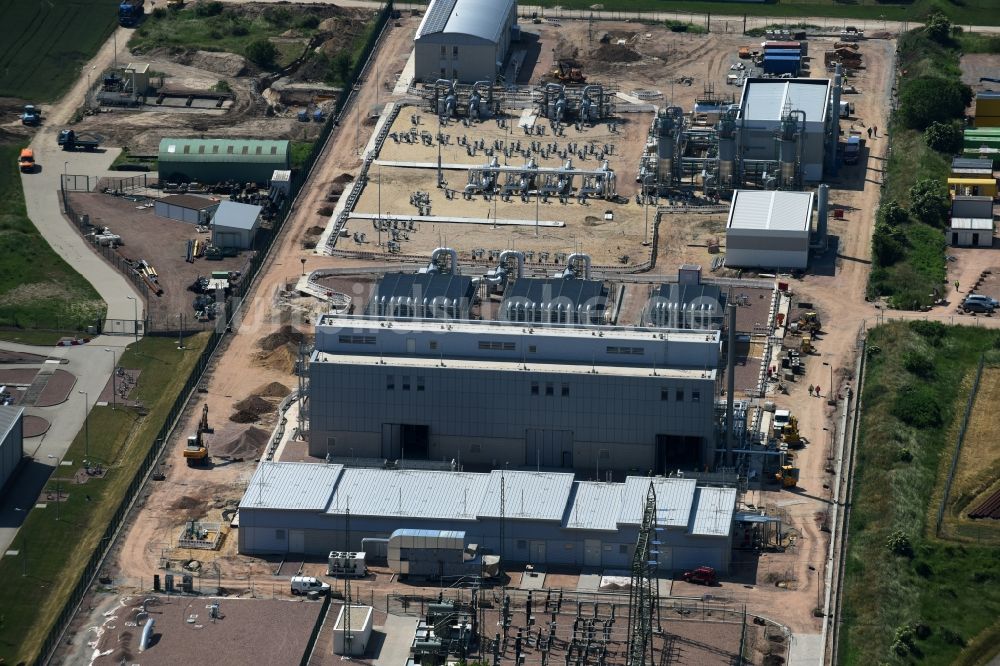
11 441
220 160
464 40
547 518
769 229
633 400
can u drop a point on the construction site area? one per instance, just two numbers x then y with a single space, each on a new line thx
650 179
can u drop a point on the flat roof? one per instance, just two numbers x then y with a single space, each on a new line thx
964 163
761 210
527 367
713 511
407 493
963 206
683 294
527 495
9 415
540 291
291 486
361 323
674 497
596 505
233 215
189 201
768 99
987 94
480 18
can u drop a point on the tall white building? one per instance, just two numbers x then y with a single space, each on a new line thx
464 40
492 393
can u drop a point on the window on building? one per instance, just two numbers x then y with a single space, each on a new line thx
604 454
534 388
406 382
664 394
565 390
279 535
679 395
628 351
390 382
433 344
420 383
356 339
496 345
623 548
522 544
532 349
444 52
549 389
695 396
454 51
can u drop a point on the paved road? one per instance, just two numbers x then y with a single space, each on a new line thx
91 365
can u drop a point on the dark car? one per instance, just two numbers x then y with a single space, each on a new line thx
978 306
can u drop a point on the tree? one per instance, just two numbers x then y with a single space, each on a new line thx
928 99
261 52
929 201
892 214
342 66
944 137
887 244
938 28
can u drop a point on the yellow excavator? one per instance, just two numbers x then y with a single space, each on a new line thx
790 434
787 476
196 451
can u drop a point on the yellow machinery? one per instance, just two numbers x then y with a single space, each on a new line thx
790 434
809 322
567 72
807 344
787 476
196 451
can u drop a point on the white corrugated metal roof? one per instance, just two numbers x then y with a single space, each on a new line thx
713 511
972 223
234 215
763 210
673 500
595 506
409 493
527 495
291 486
9 415
768 99
480 18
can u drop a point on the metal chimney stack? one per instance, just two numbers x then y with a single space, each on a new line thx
822 212
730 384
834 137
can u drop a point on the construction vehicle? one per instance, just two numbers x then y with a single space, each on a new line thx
31 115
787 476
26 162
130 13
806 346
790 434
196 451
744 52
809 323
568 71
70 140
701 576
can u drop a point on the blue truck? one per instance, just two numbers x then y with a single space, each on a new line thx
130 13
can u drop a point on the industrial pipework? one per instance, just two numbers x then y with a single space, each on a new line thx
554 102
499 276
570 272
789 139
833 137
478 108
439 265
588 112
444 104
669 124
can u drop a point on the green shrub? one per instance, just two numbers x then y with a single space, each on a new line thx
261 52
919 364
905 455
928 99
207 9
929 201
898 543
932 331
944 137
888 244
917 406
923 569
278 16
309 22
952 637
239 30
159 13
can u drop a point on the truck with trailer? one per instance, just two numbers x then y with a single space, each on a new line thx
70 140
130 13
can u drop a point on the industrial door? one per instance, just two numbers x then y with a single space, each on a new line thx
405 440
548 448
296 541
592 552
537 553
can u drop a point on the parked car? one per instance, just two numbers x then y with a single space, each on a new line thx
978 306
306 584
982 298
701 576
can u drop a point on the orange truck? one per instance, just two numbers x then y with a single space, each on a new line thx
27 160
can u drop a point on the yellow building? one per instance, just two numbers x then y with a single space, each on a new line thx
973 187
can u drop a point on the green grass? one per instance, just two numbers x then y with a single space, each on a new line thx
37 288
47 43
978 12
35 337
53 552
952 589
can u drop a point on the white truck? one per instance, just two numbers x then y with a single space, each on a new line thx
307 584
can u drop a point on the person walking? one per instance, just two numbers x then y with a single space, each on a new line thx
810 390
869 132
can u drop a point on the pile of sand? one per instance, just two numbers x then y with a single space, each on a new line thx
272 390
251 409
248 445
226 64
282 359
283 336
616 53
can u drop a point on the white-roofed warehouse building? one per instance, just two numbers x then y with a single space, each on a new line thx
464 40
549 518
785 120
769 229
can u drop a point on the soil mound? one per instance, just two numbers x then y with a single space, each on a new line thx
272 390
281 359
247 445
616 53
226 64
186 503
255 404
283 336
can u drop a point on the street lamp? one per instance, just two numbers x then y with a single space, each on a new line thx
135 315
830 399
86 425
114 366
65 174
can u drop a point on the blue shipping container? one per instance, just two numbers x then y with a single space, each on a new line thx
782 65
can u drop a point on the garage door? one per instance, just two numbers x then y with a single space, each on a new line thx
592 553
296 541
537 552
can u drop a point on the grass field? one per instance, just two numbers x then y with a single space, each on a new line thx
53 552
48 42
910 597
978 12
37 288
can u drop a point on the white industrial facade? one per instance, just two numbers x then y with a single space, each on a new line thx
548 518
763 106
235 225
769 229
971 222
587 397
11 441
464 40
186 208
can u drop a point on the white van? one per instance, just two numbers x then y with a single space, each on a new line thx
306 584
